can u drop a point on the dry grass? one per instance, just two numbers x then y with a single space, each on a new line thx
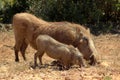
107 45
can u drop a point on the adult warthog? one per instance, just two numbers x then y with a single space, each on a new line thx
27 27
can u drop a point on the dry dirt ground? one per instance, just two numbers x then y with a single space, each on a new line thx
108 47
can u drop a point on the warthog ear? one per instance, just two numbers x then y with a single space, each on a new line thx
88 30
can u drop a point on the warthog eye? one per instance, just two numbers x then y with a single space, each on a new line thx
85 40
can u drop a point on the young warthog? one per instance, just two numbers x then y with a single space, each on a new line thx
66 54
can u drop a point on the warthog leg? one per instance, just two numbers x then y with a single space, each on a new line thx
35 60
65 64
40 58
16 54
81 62
23 48
16 49
39 55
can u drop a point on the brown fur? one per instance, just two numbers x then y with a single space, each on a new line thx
65 54
27 27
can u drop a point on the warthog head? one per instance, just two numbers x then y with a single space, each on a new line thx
87 48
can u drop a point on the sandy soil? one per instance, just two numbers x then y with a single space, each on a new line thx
108 47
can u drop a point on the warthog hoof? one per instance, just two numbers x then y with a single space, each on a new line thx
33 66
16 60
